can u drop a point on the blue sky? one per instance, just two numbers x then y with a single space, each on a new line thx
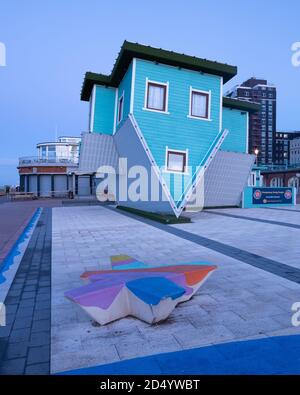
51 44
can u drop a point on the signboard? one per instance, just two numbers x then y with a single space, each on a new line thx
272 196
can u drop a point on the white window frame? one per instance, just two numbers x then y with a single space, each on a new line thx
209 104
186 152
166 84
120 119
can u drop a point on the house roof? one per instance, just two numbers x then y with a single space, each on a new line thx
97 150
131 50
242 105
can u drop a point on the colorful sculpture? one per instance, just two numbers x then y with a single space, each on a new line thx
133 288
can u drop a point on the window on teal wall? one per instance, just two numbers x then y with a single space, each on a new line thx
199 104
120 108
176 161
156 98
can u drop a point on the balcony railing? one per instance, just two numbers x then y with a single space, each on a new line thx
35 160
273 167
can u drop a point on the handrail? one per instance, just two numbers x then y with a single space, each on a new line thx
35 159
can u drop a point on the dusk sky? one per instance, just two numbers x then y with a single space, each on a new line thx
51 44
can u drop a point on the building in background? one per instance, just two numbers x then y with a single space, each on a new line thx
50 172
286 176
262 124
65 148
282 146
294 154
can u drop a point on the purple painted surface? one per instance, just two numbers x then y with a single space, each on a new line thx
95 295
104 288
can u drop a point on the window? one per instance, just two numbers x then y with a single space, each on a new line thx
156 96
199 104
176 161
120 108
44 152
51 152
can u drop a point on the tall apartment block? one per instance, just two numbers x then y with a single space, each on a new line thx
262 125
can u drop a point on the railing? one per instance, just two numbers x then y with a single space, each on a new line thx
37 195
277 167
32 160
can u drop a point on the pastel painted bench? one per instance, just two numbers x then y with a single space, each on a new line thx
135 289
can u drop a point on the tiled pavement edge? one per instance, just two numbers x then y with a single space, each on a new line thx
282 209
266 221
25 340
269 265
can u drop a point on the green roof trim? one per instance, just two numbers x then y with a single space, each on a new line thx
90 79
242 105
131 50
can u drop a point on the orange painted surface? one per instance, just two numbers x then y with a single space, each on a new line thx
193 273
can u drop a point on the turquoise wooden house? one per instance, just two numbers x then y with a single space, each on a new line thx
166 111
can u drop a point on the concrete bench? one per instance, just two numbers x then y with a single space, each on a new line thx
147 293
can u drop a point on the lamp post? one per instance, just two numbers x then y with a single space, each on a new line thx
256 152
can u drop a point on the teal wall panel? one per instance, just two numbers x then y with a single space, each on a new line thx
104 110
175 129
125 87
236 123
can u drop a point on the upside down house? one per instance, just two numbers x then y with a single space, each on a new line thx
165 111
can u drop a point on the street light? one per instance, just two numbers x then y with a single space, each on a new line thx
256 152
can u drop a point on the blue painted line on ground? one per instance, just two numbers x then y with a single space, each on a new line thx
273 355
15 250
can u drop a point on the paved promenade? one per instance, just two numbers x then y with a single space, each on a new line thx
241 300
241 315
